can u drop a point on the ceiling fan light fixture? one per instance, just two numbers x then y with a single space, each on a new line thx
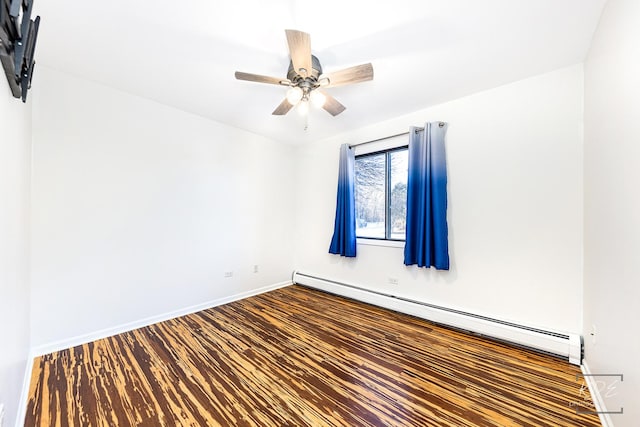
305 75
294 95
318 99
303 108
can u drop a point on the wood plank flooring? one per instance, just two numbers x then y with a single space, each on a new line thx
299 357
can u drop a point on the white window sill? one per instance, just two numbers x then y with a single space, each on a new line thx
385 243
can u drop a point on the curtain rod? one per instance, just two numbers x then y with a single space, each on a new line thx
441 124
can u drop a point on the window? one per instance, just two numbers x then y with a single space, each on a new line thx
381 194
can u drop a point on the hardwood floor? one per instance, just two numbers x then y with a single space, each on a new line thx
299 357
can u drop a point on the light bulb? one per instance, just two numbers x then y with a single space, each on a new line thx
303 108
318 98
294 95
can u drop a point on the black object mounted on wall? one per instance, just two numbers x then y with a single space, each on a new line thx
18 35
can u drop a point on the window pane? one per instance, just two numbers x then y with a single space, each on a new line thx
398 199
370 196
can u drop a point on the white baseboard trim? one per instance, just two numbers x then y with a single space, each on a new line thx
108 332
24 395
605 419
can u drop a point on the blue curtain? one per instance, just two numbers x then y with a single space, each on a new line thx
427 234
344 231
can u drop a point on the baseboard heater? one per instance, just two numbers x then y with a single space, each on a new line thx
557 343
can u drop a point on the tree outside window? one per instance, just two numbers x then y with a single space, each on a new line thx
381 194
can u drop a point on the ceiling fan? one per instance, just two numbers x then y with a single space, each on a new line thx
305 78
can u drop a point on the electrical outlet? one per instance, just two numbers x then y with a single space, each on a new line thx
255 268
228 274
393 281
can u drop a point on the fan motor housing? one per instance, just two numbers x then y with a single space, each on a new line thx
316 71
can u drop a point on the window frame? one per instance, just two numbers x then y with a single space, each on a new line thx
387 240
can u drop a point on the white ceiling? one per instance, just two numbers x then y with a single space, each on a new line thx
424 52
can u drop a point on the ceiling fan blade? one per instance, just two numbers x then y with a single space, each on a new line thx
357 74
300 51
332 105
262 79
283 108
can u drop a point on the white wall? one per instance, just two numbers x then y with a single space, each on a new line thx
139 209
15 158
515 206
612 205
